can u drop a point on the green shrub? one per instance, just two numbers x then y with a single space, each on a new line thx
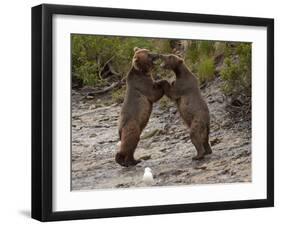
199 58
192 53
236 71
90 53
87 73
206 48
206 69
118 95
220 48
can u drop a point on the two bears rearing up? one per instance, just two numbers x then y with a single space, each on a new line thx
142 92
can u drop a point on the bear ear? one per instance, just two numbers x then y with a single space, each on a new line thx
180 60
136 49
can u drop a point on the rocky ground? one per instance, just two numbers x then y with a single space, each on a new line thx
165 145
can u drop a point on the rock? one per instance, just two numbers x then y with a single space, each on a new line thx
236 103
211 100
145 157
178 172
200 167
163 150
122 185
150 134
225 171
173 110
232 173
215 141
92 107
220 99
104 119
93 135
75 141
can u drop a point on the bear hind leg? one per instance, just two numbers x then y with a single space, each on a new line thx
130 136
197 142
207 147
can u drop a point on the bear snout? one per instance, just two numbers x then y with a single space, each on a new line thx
154 56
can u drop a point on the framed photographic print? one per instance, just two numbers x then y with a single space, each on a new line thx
146 112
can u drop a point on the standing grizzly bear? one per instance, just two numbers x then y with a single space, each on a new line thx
141 93
193 109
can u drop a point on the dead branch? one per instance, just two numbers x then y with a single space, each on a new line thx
111 69
108 88
106 63
90 112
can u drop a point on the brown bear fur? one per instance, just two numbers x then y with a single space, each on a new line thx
141 93
191 105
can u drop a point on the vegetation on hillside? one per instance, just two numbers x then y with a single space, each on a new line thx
98 61
92 54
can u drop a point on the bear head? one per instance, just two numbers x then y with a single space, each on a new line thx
170 61
143 59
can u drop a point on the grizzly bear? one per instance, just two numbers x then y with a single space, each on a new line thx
141 93
191 105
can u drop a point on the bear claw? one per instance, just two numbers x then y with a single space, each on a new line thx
123 161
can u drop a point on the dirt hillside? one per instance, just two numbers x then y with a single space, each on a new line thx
165 145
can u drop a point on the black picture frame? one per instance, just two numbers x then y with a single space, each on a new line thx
42 111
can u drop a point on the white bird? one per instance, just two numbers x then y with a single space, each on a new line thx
147 176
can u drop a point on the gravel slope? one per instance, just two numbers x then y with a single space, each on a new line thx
165 146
